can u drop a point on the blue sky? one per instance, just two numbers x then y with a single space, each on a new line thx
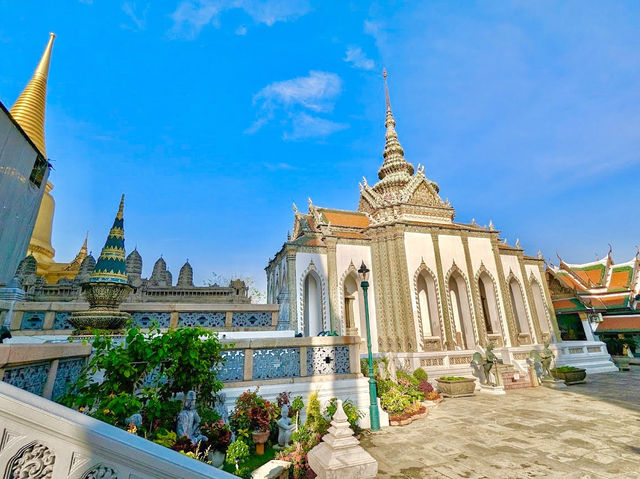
214 116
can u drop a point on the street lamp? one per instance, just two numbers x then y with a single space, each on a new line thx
373 397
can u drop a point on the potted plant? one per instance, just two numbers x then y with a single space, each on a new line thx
218 440
253 414
618 348
456 386
570 374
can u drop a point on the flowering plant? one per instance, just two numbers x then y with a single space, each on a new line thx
252 412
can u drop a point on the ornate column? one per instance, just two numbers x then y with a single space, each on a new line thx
443 291
552 311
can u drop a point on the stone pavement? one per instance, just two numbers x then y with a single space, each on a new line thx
585 431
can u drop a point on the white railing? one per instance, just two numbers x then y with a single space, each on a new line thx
44 440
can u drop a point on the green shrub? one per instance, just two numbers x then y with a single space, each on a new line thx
237 452
420 374
453 378
395 401
144 372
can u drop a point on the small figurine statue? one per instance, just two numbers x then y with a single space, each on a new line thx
189 420
544 358
134 420
285 427
220 407
487 363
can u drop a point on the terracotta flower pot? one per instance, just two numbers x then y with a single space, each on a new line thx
260 437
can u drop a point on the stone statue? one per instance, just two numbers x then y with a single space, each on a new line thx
189 420
135 419
285 427
220 407
544 358
486 364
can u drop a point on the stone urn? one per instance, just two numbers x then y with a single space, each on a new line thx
456 386
623 362
217 458
573 376
104 301
260 438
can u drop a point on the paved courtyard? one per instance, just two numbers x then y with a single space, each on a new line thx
585 431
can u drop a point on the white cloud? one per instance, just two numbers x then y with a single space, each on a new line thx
140 21
316 92
241 30
294 99
307 126
191 16
358 58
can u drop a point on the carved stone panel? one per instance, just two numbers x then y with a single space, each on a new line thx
324 360
101 472
205 320
276 363
233 368
32 462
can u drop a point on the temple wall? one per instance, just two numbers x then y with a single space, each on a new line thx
511 264
20 198
419 248
452 250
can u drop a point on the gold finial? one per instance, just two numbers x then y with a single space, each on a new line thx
386 88
29 108
120 214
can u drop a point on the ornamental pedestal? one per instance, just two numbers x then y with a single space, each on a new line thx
104 303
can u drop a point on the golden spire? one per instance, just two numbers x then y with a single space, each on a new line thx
29 108
395 170
121 208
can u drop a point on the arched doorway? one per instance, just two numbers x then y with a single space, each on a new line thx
489 304
541 308
312 305
517 300
353 307
461 311
428 311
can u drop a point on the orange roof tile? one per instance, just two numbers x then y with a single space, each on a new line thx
622 323
591 276
346 218
569 281
620 279
564 304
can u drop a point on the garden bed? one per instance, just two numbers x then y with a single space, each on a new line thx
406 418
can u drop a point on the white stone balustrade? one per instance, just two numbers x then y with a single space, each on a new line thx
44 440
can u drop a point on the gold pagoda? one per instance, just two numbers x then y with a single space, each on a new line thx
29 112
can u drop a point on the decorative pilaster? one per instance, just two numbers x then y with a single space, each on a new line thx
475 292
443 291
332 267
379 270
291 281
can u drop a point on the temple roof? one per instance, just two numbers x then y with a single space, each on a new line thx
28 110
598 285
620 324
